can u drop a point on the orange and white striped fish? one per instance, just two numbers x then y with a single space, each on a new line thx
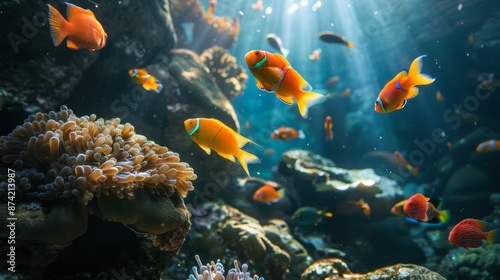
287 133
144 79
212 134
274 73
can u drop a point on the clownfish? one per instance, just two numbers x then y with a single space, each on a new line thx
144 79
328 128
274 73
402 87
469 233
287 133
489 146
82 28
269 193
212 134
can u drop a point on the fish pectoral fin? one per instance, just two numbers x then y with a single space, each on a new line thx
282 58
286 99
401 105
73 10
205 148
262 86
72 44
399 76
227 156
412 92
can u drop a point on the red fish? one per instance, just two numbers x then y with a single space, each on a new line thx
469 234
402 161
419 208
488 146
269 193
397 91
328 128
274 73
82 28
287 133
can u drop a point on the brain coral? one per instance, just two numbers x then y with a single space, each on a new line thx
60 155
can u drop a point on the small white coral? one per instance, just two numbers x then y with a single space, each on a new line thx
215 271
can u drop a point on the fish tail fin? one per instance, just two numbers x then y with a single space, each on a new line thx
444 216
244 158
350 45
280 193
301 134
415 77
308 99
492 236
414 170
152 84
284 52
58 26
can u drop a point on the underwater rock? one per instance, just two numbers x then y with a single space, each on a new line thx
68 170
467 188
219 230
463 150
479 263
229 76
337 269
319 182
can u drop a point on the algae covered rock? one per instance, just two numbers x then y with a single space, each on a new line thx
480 263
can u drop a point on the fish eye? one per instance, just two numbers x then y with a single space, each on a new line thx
257 53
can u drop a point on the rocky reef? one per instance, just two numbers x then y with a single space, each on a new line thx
72 176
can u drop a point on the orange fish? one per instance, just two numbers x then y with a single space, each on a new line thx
82 28
211 6
354 207
287 133
397 91
346 92
402 162
142 78
258 5
419 208
449 144
274 73
315 55
491 145
328 128
469 233
269 193
332 80
212 134
439 96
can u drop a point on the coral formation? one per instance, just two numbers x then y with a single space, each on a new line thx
229 76
337 269
60 155
216 271
481 263
222 229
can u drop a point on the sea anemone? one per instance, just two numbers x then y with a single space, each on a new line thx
228 75
215 271
60 155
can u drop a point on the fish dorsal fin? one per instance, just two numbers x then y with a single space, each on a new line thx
399 76
282 59
70 44
480 224
286 99
74 10
412 92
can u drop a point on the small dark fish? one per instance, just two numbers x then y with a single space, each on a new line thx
330 37
277 44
